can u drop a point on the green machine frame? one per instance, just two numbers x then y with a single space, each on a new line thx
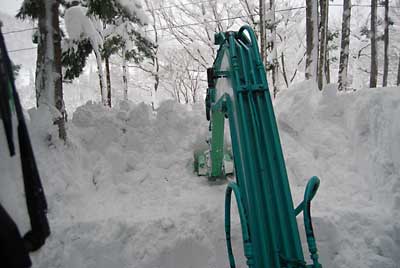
238 90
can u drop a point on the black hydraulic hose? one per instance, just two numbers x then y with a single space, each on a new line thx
35 197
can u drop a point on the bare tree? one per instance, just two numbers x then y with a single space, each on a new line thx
312 39
344 45
386 44
155 60
272 47
323 51
251 11
290 42
106 56
202 21
262 33
184 76
374 60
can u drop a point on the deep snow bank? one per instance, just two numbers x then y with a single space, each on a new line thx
122 192
351 142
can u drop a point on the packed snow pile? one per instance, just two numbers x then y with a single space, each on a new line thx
351 142
122 192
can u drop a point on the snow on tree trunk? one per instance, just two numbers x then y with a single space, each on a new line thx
386 42
324 4
374 60
124 73
155 59
344 46
48 66
100 73
312 39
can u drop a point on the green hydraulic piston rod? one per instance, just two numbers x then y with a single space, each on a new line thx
239 91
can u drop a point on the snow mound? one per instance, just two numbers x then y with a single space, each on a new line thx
351 142
122 192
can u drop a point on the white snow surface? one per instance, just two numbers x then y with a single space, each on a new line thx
122 192
80 26
135 8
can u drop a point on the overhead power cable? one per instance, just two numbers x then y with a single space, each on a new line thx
181 5
21 49
217 20
18 31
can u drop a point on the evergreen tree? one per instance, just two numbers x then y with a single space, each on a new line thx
122 23
82 32
132 45
120 31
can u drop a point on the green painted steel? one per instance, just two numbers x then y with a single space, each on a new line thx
216 161
217 144
268 218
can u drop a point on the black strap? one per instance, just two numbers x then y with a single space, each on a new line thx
5 111
12 250
35 197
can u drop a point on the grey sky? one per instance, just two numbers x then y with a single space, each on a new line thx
10 6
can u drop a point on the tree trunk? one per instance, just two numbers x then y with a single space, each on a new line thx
398 73
100 74
124 73
344 46
284 69
48 82
262 31
156 63
324 6
108 80
311 39
327 68
386 43
273 49
40 77
374 61
156 81
59 95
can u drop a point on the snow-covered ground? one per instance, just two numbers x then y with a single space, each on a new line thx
122 192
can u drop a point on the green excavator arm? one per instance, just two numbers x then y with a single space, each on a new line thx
238 90
216 161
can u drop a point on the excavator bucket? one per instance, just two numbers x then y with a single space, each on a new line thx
203 165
